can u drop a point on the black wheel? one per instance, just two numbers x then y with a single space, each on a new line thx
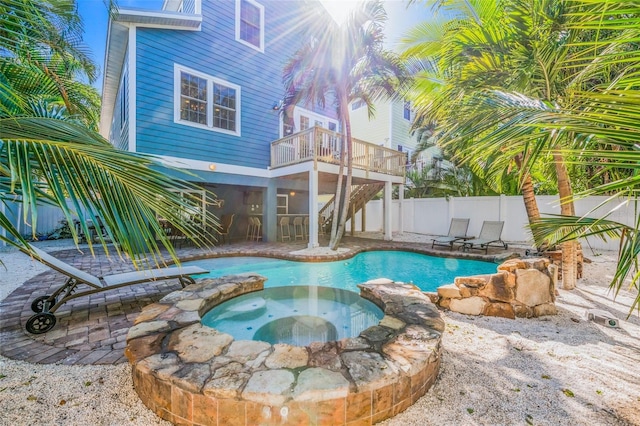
41 323
38 304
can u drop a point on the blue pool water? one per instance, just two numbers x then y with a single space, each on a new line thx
295 315
426 272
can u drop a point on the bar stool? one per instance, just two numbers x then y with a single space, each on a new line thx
306 227
285 231
298 228
320 225
250 225
257 230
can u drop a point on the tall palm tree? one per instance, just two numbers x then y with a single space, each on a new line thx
512 46
607 117
49 152
339 64
441 53
587 57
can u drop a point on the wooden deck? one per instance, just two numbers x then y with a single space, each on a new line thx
321 145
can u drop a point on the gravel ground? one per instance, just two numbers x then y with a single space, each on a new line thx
561 370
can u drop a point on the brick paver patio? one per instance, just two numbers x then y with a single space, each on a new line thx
93 329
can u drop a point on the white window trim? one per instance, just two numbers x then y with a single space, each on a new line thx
177 69
246 43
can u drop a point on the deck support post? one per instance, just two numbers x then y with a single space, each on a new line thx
313 208
269 212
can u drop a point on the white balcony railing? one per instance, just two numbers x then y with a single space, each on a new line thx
319 144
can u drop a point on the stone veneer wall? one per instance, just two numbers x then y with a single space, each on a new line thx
520 288
191 374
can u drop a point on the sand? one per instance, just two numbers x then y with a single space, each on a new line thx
560 370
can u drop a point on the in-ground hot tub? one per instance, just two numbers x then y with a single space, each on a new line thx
189 373
295 315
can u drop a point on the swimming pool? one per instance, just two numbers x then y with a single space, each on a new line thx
426 272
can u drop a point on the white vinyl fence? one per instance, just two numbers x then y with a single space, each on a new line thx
432 216
49 218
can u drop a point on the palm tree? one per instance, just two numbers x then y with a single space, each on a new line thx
339 64
441 55
49 152
44 57
512 46
607 118
587 58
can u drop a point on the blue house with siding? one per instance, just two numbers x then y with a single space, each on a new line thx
199 85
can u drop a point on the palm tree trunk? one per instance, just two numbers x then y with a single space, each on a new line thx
569 251
529 199
333 242
347 192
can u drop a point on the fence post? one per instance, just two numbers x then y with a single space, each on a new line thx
401 205
387 209
451 210
502 211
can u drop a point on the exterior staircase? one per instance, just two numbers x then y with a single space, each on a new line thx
360 196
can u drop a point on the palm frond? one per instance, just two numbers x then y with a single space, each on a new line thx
76 166
558 229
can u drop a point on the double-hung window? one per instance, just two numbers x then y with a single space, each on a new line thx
407 110
304 123
204 101
250 24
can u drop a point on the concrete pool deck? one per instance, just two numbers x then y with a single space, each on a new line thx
93 329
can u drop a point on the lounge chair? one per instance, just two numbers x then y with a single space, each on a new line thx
457 232
490 233
45 306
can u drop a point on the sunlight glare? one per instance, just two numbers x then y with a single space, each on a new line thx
339 9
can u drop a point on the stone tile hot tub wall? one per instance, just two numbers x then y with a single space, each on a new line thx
191 374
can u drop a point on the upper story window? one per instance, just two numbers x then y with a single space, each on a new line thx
250 24
124 102
205 101
193 98
304 123
357 104
407 110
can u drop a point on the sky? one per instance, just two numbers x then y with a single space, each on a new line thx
95 17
